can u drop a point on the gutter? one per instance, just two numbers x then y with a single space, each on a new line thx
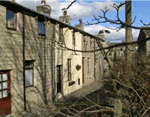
19 8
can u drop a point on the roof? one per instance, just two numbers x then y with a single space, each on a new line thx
144 33
147 33
19 8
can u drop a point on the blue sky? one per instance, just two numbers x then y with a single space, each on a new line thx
86 8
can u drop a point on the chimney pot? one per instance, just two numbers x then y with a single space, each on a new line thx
43 2
65 12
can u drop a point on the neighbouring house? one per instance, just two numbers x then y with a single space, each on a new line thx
100 65
119 53
116 53
35 65
74 70
144 47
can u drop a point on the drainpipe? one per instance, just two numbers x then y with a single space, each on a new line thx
23 40
94 61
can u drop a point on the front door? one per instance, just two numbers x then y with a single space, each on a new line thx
5 99
59 77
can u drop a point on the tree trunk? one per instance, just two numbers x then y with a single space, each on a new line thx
129 37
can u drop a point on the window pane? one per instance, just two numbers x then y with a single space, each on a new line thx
5 94
5 77
5 85
41 27
0 94
10 18
0 86
28 77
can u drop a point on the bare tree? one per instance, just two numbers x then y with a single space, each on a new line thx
129 37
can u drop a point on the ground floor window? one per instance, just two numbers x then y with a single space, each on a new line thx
29 76
69 69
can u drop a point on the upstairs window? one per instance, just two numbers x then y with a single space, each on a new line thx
29 73
10 19
41 28
88 65
60 34
73 38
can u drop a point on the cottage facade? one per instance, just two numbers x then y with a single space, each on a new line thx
35 69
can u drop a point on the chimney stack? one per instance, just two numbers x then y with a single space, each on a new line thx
80 25
43 2
44 8
65 18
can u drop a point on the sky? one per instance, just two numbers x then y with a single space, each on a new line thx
85 9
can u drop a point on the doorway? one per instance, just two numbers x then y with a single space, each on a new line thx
59 78
5 97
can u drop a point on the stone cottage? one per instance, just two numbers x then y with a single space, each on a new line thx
144 47
36 66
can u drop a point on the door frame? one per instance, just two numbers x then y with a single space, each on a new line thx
61 72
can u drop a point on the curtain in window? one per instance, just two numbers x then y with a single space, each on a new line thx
10 18
28 77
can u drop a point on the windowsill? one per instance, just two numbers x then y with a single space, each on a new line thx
9 28
41 34
29 86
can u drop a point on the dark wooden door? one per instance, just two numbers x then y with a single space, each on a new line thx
5 98
82 69
59 77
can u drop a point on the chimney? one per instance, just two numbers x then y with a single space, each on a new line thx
43 2
80 25
101 34
44 8
65 18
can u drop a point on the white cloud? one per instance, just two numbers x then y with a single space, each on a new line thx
114 35
79 9
102 5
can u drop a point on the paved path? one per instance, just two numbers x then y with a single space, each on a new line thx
78 94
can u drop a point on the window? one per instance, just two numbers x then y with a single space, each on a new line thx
60 34
73 38
148 53
10 19
69 69
84 38
4 84
29 73
41 27
88 65
91 42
